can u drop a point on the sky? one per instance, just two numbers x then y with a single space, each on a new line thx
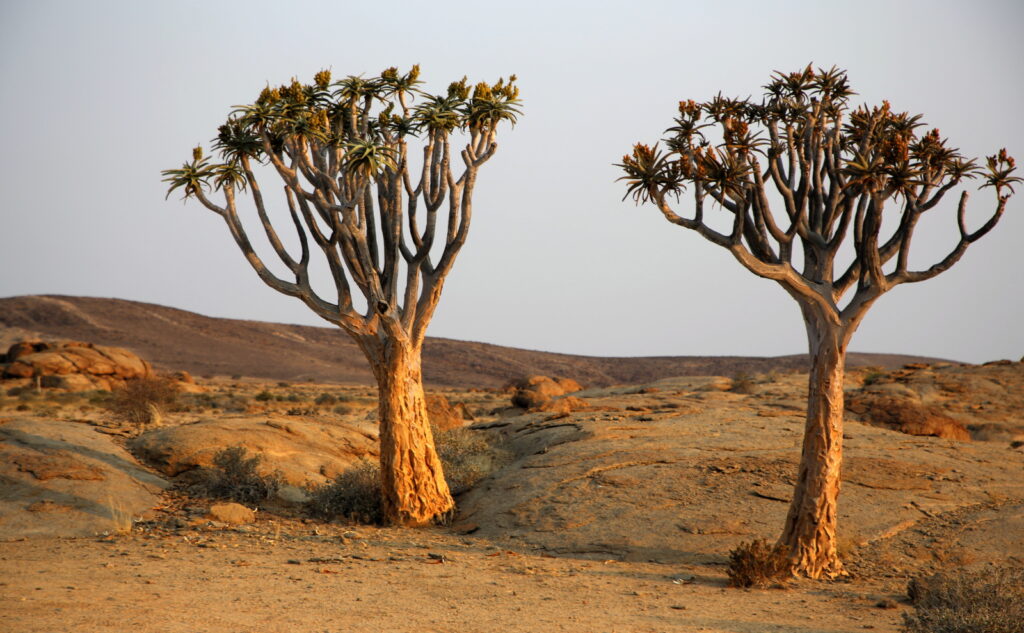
98 97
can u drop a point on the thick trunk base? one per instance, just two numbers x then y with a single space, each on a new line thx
810 531
414 488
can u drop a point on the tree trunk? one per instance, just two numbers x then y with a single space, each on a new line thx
414 488
810 532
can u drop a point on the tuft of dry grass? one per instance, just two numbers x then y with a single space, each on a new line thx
742 383
960 601
354 495
758 564
234 476
143 400
123 519
467 457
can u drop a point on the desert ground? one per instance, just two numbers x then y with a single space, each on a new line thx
614 511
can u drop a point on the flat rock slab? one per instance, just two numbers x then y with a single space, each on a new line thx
686 473
65 479
302 451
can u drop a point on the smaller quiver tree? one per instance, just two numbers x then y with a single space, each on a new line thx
803 176
388 232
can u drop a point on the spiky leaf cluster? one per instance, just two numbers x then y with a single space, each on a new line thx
359 121
835 169
879 150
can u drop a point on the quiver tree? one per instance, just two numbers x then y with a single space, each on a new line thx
344 152
824 200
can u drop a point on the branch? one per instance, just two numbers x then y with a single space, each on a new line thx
966 239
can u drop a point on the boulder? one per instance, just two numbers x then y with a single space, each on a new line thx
545 385
75 382
528 399
183 376
302 451
534 392
565 404
569 385
443 415
104 366
24 348
65 479
232 513
185 383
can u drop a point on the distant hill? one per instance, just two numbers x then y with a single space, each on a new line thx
177 339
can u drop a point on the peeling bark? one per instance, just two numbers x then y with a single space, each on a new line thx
413 484
810 529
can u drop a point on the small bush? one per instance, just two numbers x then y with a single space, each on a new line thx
236 403
742 383
199 401
234 476
873 376
26 393
354 495
143 400
989 601
100 398
467 457
758 564
326 400
264 396
343 409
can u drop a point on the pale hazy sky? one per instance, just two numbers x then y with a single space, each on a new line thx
97 97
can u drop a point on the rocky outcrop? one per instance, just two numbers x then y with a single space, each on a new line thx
65 479
231 513
302 452
566 404
535 393
74 366
444 415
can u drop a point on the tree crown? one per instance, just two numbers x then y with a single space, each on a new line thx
833 170
341 148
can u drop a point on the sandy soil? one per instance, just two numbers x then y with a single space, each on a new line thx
281 576
614 519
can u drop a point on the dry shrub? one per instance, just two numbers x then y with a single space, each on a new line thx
990 601
873 375
354 495
467 456
742 383
121 516
144 400
758 564
906 416
326 400
234 476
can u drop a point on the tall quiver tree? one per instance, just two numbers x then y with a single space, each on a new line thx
802 175
342 150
